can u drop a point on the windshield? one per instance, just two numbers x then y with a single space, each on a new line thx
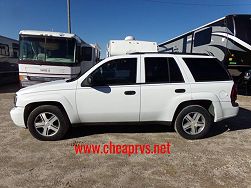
243 28
47 49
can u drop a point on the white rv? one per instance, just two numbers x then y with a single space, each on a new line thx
47 56
130 45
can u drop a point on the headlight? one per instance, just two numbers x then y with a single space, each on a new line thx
23 78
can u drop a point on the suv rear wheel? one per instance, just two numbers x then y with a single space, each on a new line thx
193 122
48 123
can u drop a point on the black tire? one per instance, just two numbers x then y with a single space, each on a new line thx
55 130
202 126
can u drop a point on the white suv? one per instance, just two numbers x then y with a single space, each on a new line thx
187 91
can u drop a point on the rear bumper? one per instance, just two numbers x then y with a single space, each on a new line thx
17 116
228 111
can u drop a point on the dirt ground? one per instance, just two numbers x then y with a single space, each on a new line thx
221 160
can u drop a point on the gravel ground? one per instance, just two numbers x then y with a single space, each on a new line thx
221 160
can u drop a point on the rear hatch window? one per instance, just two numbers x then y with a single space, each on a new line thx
207 69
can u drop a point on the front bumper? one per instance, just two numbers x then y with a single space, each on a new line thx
17 116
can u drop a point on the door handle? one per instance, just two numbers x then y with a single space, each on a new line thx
180 90
130 92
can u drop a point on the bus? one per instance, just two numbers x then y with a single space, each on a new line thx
228 39
48 56
8 60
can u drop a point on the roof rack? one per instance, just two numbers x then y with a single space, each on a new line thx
178 53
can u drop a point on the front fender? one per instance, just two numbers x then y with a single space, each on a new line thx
69 105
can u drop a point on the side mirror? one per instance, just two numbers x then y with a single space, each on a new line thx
90 80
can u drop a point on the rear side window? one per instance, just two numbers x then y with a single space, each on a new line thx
207 69
162 70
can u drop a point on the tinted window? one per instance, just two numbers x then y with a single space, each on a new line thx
207 69
202 37
115 72
87 53
175 74
162 70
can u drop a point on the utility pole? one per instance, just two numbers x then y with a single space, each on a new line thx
69 15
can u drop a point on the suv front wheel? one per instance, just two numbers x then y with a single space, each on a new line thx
193 122
48 123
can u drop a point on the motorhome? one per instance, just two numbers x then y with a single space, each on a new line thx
228 39
8 60
47 56
129 45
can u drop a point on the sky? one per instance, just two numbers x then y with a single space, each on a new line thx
98 21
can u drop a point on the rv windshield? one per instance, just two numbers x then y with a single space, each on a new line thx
243 28
47 49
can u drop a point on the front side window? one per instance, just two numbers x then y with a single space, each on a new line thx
47 49
207 69
162 70
114 72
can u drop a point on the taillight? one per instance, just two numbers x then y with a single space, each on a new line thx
234 93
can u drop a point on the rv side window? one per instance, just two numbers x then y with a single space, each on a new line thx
162 70
4 49
202 37
243 26
230 23
15 48
78 54
87 53
207 69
